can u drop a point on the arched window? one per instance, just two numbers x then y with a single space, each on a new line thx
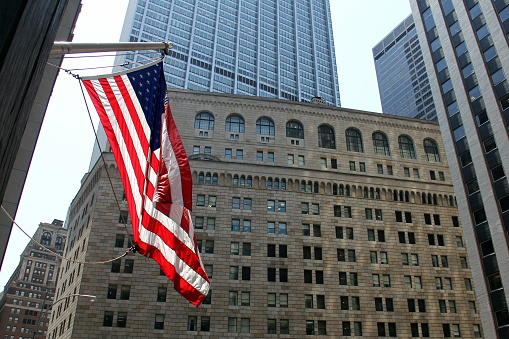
303 186
249 181
269 183
214 179
242 181
201 178
366 192
276 183
377 194
204 120
208 178
335 189
381 144
236 180
431 149
347 190
341 190
46 239
406 147
310 187
294 129
265 126
283 184
58 243
235 123
326 138
353 141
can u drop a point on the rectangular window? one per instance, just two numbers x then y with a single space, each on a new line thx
271 205
362 166
161 294
432 175
352 165
407 171
304 208
323 163
228 153
246 273
315 209
248 204
281 207
427 219
270 156
347 212
259 155
192 323
416 173
235 203
212 201
240 154
291 159
436 219
301 160
337 211
159 322
308 301
317 231
380 168
334 163
378 215
369 213
389 170
441 176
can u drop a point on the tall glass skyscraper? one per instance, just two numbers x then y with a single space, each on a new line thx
269 48
402 79
465 48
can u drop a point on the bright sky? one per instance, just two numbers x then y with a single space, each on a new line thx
66 140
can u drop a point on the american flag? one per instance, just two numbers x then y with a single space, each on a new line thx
134 111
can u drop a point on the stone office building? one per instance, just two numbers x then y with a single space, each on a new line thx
312 220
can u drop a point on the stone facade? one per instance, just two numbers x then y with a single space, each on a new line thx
298 239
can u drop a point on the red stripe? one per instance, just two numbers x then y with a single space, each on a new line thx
129 141
182 251
183 162
116 153
134 115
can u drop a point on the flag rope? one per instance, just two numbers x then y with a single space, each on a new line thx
130 249
104 162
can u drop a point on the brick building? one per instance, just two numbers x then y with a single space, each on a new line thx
312 220
25 304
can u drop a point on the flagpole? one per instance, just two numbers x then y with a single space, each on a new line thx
65 47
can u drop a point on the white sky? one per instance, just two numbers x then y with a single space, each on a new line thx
65 143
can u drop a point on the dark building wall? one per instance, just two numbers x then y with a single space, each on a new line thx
27 33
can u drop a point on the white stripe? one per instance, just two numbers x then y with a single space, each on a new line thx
185 271
171 224
129 121
122 147
173 167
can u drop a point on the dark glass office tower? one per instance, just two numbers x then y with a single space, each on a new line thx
467 56
402 79
269 48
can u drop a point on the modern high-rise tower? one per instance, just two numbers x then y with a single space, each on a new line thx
466 51
402 79
268 48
